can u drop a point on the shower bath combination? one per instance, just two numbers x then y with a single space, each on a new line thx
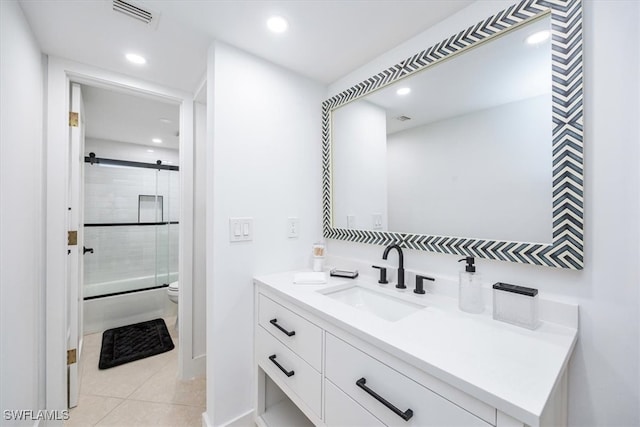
131 212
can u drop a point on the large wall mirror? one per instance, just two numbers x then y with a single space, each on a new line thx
471 147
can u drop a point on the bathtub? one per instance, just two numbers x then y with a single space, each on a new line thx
120 309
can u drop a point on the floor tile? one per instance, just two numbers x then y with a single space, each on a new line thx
92 341
122 380
146 392
90 410
136 413
171 323
165 387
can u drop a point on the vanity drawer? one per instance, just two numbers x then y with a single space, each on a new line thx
288 370
347 367
297 333
342 411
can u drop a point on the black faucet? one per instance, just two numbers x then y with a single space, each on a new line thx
400 284
420 285
383 274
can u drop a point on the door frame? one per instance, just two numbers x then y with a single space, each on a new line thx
60 74
75 257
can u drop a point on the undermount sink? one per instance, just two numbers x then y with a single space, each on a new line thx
380 304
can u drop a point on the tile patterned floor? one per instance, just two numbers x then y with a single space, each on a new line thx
146 392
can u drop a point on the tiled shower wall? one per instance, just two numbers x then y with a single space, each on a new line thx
128 257
111 192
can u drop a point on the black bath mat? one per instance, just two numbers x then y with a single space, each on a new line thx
133 342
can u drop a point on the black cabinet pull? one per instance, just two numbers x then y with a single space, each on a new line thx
287 373
406 415
274 322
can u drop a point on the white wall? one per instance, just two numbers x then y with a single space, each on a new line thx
497 186
264 162
21 215
604 372
360 165
199 312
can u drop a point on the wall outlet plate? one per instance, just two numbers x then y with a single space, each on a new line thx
293 227
376 219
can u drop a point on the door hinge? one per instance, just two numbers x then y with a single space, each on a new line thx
72 238
71 356
73 119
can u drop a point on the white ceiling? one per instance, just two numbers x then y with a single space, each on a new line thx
326 39
500 71
123 117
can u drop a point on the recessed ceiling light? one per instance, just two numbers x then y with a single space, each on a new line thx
277 24
538 37
163 120
136 59
157 140
149 151
403 91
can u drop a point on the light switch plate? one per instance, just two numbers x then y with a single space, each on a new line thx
240 229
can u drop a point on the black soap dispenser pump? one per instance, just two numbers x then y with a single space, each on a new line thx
470 288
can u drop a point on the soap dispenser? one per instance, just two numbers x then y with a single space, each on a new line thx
470 288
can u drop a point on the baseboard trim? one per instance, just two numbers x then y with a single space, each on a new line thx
200 364
194 368
244 420
205 420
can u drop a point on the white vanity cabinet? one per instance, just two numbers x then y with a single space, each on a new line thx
288 348
312 370
300 335
390 396
341 410
301 348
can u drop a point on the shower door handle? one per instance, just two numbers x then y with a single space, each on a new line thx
85 250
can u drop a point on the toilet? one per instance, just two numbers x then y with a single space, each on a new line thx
172 293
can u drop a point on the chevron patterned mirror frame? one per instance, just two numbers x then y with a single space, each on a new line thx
566 249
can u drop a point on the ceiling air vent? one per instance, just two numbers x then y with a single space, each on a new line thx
403 118
133 11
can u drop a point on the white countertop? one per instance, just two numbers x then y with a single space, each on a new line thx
508 367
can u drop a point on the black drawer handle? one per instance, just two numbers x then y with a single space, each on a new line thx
287 373
274 322
406 415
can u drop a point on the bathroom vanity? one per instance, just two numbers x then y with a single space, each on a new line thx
354 353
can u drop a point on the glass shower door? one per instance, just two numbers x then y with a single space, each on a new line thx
167 230
128 226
